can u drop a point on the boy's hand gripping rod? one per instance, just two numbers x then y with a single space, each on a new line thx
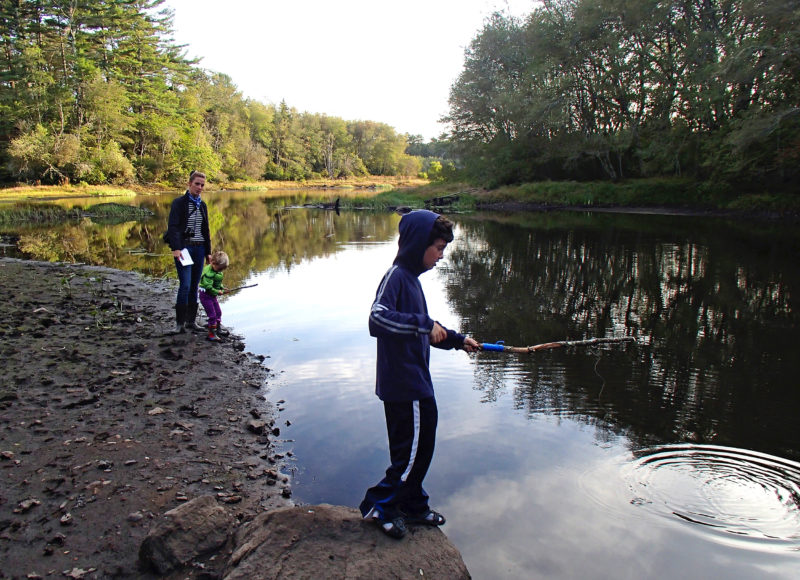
501 346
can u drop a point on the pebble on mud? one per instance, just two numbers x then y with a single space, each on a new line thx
26 505
256 426
135 517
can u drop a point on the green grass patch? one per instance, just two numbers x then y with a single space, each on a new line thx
675 193
368 182
46 213
766 202
655 192
649 192
640 192
252 188
418 197
23 193
36 213
117 212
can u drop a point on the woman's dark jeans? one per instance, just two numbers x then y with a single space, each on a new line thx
189 276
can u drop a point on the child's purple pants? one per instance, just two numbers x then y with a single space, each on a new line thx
211 306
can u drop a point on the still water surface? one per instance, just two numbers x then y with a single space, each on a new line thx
674 457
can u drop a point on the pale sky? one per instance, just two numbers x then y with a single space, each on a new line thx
391 62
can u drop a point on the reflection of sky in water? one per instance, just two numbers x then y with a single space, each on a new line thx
525 497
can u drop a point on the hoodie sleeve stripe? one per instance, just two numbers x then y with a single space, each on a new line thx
380 314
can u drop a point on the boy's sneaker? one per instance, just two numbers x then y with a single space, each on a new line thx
395 528
427 518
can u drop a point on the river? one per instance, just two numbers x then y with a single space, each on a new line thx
674 456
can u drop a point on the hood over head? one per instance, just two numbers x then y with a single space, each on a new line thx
415 229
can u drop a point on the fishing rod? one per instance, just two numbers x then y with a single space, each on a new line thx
240 288
500 345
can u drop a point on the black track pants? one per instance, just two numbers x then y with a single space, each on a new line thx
411 426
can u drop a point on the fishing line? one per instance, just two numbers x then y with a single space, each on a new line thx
597 362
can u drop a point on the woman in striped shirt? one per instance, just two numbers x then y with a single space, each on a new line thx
188 229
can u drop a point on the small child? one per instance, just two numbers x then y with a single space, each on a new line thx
210 287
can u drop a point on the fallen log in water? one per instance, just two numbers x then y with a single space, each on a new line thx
500 346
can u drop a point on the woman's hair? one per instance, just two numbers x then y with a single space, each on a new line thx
220 258
194 174
442 229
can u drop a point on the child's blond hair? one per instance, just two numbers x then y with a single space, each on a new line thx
220 258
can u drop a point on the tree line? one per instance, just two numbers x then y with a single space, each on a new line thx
614 89
96 91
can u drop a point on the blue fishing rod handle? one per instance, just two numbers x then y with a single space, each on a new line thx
499 345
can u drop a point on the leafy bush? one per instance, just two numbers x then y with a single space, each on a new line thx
30 154
109 164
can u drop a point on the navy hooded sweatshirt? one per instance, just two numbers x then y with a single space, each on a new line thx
399 318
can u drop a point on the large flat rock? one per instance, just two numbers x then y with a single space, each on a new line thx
325 541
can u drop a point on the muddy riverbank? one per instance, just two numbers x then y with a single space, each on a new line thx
107 421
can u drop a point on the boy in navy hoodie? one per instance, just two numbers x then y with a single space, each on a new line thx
399 320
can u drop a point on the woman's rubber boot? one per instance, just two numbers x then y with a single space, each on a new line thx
180 319
212 333
191 314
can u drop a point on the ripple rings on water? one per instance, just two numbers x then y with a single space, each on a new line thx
733 493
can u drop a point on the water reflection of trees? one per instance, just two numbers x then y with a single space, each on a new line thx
712 306
257 235
114 245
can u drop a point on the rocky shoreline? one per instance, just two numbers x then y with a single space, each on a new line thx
129 452
107 421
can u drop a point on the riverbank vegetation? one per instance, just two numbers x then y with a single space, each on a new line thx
610 90
38 192
98 92
367 182
654 193
580 103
